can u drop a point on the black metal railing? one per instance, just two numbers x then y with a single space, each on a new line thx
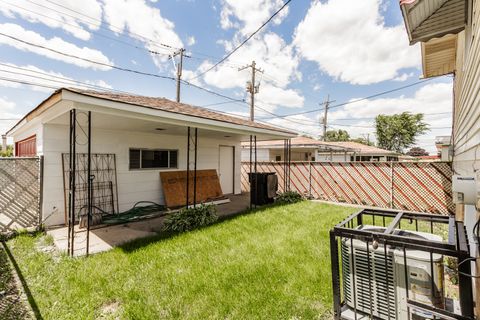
389 264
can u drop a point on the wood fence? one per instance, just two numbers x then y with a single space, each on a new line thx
414 186
20 193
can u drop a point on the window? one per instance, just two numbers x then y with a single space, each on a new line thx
153 159
278 158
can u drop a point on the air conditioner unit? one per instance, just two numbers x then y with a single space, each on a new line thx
371 280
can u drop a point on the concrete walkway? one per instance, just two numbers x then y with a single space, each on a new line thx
105 237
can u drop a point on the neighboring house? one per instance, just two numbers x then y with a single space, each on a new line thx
443 144
309 149
141 132
449 33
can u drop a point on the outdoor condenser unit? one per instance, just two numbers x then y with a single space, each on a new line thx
371 282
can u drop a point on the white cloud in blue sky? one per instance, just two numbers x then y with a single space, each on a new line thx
345 48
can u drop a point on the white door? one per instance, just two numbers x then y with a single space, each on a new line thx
225 168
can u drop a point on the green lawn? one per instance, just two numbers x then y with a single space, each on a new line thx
270 264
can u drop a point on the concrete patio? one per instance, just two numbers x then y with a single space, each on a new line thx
105 237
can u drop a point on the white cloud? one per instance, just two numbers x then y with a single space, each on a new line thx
349 40
144 23
46 80
55 43
42 11
7 111
191 41
278 61
248 15
431 98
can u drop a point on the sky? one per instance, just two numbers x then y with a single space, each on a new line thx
346 50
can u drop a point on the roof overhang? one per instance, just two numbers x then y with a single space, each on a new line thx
428 19
439 56
57 104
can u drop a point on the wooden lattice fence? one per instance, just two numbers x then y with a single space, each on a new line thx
414 186
20 193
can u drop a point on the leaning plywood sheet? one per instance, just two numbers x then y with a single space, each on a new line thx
175 187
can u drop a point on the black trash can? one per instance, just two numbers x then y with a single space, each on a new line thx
263 187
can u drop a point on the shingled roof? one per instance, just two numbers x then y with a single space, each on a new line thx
174 107
349 146
157 103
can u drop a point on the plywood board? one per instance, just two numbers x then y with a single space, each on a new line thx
174 185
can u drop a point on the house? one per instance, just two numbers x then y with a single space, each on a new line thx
443 145
140 136
309 149
449 34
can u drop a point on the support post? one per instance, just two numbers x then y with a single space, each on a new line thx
188 168
250 178
73 172
195 171
335 275
89 180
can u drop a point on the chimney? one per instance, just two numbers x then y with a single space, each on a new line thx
4 142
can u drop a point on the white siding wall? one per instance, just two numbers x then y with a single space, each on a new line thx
467 100
262 155
133 185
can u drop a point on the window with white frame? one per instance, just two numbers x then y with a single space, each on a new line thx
153 159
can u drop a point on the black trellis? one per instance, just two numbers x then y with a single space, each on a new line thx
77 132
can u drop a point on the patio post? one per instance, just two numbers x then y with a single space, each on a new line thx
72 176
250 172
188 167
89 179
195 171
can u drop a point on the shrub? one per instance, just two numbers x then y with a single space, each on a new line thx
191 218
289 197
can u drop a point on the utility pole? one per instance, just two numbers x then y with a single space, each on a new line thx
252 88
181 53
366 136
325 114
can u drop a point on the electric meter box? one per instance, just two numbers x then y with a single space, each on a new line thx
468 186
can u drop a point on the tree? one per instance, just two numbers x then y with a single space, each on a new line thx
8 152
399 131
337 135
417 152
363 141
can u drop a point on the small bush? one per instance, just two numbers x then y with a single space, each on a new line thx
289 197
191 218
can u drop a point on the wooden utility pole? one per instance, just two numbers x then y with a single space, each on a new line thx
325 114
181 53
252 88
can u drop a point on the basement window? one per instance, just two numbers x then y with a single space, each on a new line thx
153 159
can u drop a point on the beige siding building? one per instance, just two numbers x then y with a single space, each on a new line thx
309 149
449 34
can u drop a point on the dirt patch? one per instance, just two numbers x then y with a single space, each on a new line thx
110 310
12 305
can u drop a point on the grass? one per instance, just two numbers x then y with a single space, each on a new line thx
12 305
270 264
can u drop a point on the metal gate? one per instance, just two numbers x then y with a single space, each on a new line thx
20 193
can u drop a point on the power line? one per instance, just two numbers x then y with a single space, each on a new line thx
36 84
63 80
99 21
243 42
361 99
80 28
87 60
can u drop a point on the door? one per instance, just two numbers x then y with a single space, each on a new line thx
226 171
